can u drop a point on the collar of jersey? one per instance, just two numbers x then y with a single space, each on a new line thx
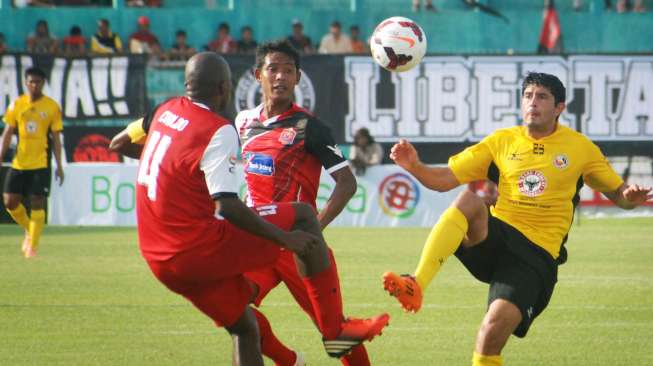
201 105
294 108
558 130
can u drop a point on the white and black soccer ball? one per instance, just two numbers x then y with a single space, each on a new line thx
398 44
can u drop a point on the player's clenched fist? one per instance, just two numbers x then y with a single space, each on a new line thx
404 154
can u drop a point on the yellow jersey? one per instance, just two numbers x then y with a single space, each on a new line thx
538 180
33 120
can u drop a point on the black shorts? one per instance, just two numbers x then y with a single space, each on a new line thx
34 182
517 270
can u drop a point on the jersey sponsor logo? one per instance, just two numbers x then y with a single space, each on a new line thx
560 161
287 136
248 92
398 195
31 127
336 150
532 183
260 164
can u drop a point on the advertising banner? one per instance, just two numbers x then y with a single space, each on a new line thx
104 194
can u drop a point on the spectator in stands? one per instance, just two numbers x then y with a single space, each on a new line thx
145 3
223 43
143 41
74 44
428 5
180 50
298 39
335 41
105 41
357 45
40 41
365 152
39 3
247 44
3 46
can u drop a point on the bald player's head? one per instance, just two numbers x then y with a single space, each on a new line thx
208 79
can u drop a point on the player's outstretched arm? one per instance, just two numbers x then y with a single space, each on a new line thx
234 210
629 196
439 179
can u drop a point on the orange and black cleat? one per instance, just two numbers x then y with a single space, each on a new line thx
405 288
354 332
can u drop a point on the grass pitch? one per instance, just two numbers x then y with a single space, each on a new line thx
89 299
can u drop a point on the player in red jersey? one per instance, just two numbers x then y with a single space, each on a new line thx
184 166
284 148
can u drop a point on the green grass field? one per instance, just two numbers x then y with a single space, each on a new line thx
89 299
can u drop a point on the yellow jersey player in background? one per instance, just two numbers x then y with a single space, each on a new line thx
517 246
33 115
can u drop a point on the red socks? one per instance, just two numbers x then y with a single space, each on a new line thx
324 292
270 345
357 357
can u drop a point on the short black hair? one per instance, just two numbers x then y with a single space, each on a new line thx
282 46
180 32
548 81
336 24
35 71
75 30
246 28
105 21
224 26
41 22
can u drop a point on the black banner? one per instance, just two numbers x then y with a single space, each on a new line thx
85 87
450 102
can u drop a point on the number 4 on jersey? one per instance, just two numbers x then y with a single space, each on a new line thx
148 172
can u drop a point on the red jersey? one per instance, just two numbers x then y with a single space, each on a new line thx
284 155
188 160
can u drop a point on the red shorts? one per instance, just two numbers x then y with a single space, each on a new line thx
211 275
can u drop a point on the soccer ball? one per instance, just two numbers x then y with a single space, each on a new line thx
398 44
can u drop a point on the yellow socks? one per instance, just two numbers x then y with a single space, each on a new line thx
483 360
36 224
19 214
444 239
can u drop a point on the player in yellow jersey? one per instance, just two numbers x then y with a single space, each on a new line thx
517 246
33 116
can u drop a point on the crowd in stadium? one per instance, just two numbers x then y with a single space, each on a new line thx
144 41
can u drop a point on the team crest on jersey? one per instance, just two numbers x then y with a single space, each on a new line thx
287 136
31 126
260 164
532 183
560 161
248 92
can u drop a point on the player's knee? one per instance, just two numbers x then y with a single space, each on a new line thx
37 202
10 202
471 205
245 326
305 216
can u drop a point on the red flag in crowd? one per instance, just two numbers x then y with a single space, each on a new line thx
551 36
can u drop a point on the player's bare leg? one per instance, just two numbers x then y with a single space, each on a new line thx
501 319
246 340
321 280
